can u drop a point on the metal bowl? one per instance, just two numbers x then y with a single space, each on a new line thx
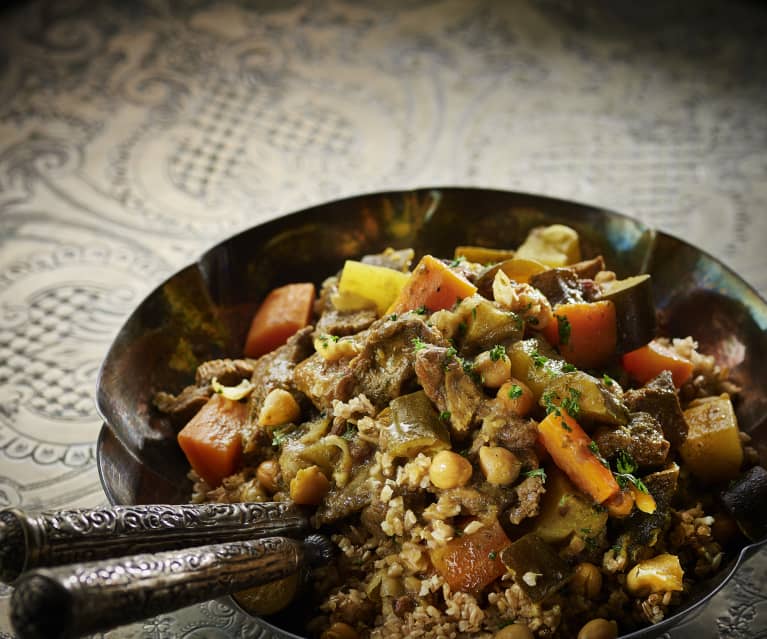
203 311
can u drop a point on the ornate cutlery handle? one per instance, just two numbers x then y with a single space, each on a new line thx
70 601
71 536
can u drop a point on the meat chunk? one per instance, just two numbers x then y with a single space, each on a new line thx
182 407
658 398
340 323
452 390
324 381
502 426
275 369
559 285
527 499
642 438
228 372
384 367
342 502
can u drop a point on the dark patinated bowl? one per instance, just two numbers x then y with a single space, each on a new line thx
203 312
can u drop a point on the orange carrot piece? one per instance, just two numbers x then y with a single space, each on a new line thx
568 446
284 311
434 285
587 336
471 562
211 440
517 396
648 361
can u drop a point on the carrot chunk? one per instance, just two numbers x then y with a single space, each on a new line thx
284 311
433 285
569 447
648 361
211 440
471 562
585 332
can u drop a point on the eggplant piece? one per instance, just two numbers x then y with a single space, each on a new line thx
415 427
536 363
643 530
536 567
559 285
745 500
565 510
596 401
634 311
488 325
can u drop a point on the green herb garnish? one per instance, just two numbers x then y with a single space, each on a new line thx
445 415
564 328
497 352
536 472
418 344
515 391
626 467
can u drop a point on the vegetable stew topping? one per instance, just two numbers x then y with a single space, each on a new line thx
499 444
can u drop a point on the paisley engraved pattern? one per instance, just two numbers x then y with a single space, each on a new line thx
134 135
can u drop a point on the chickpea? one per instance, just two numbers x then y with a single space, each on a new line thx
587 580
500 466
599 629
517 396
339 630
514 631
494 367
449 470
662 573
267 473
280 407
309 486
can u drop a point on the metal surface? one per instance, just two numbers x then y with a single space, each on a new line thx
72 536
73 600
134 135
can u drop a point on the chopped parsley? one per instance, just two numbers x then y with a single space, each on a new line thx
626 467
571 404
445 415
564 328
326 339
548 398
536 472
457 261
350 432
607 380
492 555
539 361
616 548
462 328
418 344
279 435
474 312
564 426
393 317
497 352
422 310
595 449
567 367
515 391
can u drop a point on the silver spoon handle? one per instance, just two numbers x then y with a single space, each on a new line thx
71 536
70 601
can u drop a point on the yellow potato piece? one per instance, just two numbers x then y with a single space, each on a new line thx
556 245
712 450
378 284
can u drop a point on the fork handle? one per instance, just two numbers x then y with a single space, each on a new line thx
71 601
72 536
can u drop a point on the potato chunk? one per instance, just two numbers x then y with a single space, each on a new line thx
712 450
